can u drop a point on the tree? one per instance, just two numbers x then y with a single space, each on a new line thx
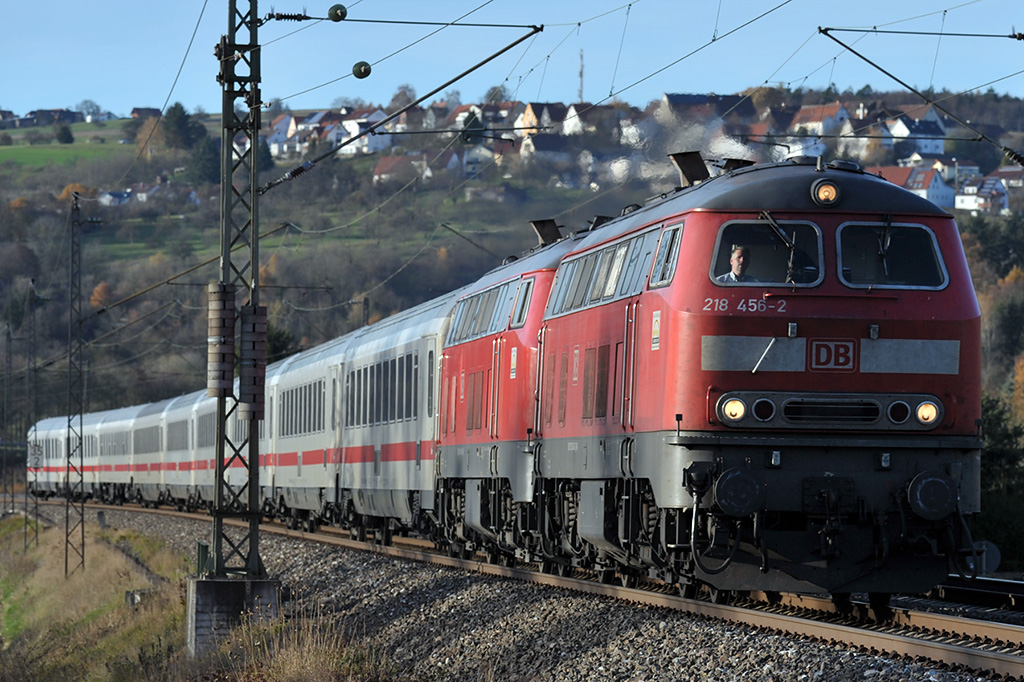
63 135
404 96
453 98
89 108
346 102
496 93
180 131
265 160
204 164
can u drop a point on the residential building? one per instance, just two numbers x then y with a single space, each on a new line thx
926 183
983 195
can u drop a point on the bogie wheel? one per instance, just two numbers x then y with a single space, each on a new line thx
718 596
508 560
565 570
841 600
606 576
879 602
688 590
548 566
628 580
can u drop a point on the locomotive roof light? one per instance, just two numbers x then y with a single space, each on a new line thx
734 409
927 413
825 192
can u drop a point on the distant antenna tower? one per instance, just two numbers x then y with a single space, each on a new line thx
579 95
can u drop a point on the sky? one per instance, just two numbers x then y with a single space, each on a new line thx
123 54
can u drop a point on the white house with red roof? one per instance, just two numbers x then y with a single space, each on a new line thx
811 123
926 183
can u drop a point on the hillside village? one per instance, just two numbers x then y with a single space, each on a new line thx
582 145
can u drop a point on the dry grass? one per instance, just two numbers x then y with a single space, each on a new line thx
57 629
312 647
78 628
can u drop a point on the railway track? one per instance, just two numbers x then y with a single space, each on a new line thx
950 639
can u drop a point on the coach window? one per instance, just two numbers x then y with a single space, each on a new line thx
668 255
430 384
890 256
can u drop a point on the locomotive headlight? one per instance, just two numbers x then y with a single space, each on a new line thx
927 412
734 409
825 193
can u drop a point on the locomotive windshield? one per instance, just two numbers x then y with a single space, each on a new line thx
890 256
757 253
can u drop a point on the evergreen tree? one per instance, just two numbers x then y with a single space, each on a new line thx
204 165
180 131
63 134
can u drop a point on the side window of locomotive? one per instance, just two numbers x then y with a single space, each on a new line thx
522 304
665 260
890 256
759 253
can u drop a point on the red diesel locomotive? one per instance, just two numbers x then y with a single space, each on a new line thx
766 380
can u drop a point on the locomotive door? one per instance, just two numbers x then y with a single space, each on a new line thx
495 374
627 361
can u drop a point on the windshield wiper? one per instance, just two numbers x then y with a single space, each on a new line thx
884 241
786 241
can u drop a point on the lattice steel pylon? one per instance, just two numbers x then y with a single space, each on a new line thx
6 430
237 437
74 506
32 453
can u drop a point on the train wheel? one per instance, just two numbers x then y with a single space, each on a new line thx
357 533
548 566
688 590
565 570
628 580
493 555
841 600
879 602
508 560
606 576
718 596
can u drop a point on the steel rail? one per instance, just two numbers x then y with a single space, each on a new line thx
941 639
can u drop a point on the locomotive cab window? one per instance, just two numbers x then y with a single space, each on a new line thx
890 256
767 252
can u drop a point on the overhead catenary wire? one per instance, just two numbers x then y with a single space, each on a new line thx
295 172
1012 154
396 52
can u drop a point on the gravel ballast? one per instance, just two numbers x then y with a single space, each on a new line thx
436 623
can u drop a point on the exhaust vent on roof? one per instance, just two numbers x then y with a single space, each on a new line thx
691 168
547 231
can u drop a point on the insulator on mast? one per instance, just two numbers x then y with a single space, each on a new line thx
220 358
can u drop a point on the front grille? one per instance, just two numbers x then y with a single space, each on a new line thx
833 410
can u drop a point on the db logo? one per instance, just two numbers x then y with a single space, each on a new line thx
833 355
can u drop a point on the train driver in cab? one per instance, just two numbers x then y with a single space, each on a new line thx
739 261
